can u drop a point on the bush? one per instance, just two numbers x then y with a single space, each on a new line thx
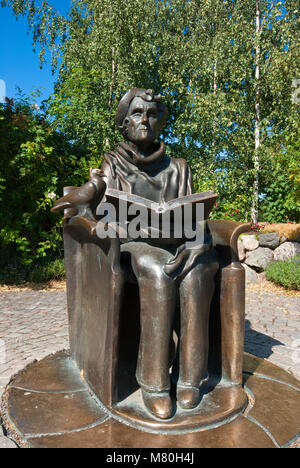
36 163
52 270
286 273
40 271
12 272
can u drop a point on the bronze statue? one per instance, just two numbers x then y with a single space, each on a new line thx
163 272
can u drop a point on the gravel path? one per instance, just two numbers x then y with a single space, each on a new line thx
33 324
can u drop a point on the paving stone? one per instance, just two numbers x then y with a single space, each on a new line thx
33 315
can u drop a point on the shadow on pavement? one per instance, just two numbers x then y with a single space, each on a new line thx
258 343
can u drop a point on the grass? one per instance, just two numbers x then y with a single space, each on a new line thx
290 231
286 273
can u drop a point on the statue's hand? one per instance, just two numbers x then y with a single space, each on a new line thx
185 259
84 199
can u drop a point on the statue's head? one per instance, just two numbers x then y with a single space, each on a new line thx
141 116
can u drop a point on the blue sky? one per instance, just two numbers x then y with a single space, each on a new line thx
19 65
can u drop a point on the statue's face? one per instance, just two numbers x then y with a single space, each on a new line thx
142 121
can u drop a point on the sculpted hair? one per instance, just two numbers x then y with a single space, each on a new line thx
146 95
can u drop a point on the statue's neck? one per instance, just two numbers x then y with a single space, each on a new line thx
141 156
144 151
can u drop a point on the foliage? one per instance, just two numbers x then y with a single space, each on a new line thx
202 56
36 162
281 201
47 271
278 205
285 273
39 271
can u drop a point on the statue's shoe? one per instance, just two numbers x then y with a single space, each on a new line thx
159 404
188 397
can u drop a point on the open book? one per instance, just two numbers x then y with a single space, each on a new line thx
208 199
171 221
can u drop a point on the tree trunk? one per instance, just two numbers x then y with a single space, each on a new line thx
215 87
113 77
257 131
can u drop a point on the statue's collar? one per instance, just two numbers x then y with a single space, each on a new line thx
129 151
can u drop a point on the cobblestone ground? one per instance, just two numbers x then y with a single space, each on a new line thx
33 324
273 329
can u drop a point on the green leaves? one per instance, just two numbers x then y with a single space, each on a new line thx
201 55
36 162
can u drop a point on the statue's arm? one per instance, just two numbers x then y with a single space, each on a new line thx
82 201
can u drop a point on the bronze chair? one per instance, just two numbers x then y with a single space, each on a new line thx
99 340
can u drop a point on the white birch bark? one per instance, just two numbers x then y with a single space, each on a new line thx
113 73
215 87
257 131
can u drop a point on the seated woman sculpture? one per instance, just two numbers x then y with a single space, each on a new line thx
140 166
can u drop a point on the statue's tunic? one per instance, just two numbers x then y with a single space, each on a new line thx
157 177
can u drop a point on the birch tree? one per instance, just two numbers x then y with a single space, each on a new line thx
225 69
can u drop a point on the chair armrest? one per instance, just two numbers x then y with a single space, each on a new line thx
86 225
226 233
83 230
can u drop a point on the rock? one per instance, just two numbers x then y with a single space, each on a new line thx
270 240
287 250
260 258
7 443
241 250
283 239
251 275
262 276
250 242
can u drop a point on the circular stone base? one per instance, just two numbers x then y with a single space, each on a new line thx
49 405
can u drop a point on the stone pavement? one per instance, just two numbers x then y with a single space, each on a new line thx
33 324
273 329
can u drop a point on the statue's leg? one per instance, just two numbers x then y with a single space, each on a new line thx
157 304
196 292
